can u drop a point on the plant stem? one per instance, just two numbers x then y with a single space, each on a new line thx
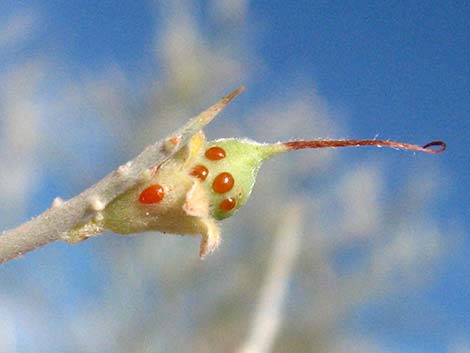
54 223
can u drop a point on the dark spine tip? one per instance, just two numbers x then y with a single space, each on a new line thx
440 144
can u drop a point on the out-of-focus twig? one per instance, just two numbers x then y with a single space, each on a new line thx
268 316
53 224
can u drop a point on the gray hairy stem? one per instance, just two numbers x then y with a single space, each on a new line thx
54 223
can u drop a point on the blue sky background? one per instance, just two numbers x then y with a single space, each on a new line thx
397 70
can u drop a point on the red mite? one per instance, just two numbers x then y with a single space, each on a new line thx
153 194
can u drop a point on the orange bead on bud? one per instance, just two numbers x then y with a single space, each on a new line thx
228 204
200 172
223 182
152 194
215 153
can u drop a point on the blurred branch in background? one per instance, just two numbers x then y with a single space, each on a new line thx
269 311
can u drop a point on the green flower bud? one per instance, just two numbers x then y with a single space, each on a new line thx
241 164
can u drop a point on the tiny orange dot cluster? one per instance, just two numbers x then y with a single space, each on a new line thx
200 172
153 194
222 183
215 153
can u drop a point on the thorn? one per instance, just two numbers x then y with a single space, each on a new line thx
429 147
210 113
228 98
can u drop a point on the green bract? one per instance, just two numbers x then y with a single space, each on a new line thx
190 205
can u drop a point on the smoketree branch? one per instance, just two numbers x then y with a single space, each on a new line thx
269 312
54 223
